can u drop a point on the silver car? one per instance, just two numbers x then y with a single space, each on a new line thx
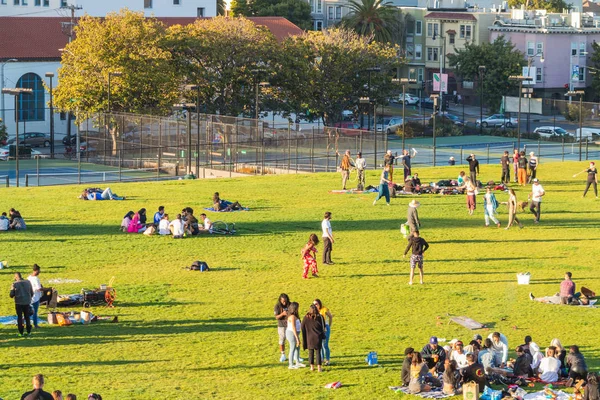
497 120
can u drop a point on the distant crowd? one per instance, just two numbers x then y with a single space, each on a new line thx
184 223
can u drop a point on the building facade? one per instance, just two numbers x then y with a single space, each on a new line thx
327 13
96 8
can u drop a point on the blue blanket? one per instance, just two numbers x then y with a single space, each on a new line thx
12 320
213 209
436 393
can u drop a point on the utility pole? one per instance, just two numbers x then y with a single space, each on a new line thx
71 24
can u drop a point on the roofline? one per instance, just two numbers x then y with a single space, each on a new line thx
547 30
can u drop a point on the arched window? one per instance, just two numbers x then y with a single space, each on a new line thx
31 106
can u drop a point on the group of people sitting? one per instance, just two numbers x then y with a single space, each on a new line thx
13 220
38 392
484 361
185 223
99 194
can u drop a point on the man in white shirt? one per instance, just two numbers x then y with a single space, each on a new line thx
176 227
499 348
549 366
537 191
163 225
327 238
36 285
206 224
4 222
361 164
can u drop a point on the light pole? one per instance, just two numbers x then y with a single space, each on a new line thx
188 107
519 78
16 92
481 73
434 97
529 62
2 84
579 93
370 70
110 74
51 75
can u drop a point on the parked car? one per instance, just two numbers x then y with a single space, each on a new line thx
33 139
349 128
497 120
591 134
26 152
408 99
389 125
551 131
454 119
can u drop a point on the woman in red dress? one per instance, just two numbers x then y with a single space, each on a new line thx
309 254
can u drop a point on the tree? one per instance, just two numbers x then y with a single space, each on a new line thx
326 72
500 60
595 59
374 18
296 11
3 132
225 57
124 42
548 5
572 113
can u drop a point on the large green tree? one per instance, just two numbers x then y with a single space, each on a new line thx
376 18
500 59
595 58
548 5
225 57
296 11
326 72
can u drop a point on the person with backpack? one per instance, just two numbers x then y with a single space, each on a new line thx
22 291
418 246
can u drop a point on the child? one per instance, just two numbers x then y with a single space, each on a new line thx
309 254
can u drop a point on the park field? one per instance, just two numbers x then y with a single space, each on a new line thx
189 335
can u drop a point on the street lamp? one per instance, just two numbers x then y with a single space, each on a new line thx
188 107
370 70
2 84
434 97
519 78
579 93
403 82
51 75
110 74
16 92
481 73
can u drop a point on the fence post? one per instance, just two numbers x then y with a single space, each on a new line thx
312 150
587 143
262 152
158 164
7 181
563 149
26 179
461 155
297 145
37 169
488 153
539 147
120 160
360 141
375 150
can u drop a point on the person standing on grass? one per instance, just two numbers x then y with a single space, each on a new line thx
490 204
388 160
412 218
522 168
361 165
281 314
292 337
36 285
22 291
512 209
533 164
38 392
384 189
537 192
327 318
406 161
505 163
313 332
309 257
418 246
471 189
345 166
327 236
592 179
515 158
473 168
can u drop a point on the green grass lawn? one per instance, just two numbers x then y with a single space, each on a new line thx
185 334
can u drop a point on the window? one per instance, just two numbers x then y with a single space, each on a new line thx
17 2
319 6
432 29
316 6
410 50
3 2
63 3
581 74
531 49
412 74
410 27
330 12
31 106
418 28
418 51
46 3
582 50
420 75
38 3
465 32
573 49
176 2
538 75
338 12
451 38
318 25
539 49
147 3
24 2
432 54
200 12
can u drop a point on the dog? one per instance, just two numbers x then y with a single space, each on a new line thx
522 205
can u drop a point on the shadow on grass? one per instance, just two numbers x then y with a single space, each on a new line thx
71 364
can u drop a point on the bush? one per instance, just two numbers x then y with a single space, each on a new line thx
572 113
3 132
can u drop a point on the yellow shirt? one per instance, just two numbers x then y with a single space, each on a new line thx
323 311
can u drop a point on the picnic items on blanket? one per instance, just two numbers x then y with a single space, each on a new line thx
201 266
434 393
467 322
3 264
334 385
491 394
104 295
523 278
548 391
12 320
470 391
74 317
371 358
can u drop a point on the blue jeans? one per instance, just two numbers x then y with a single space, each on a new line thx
294 350
384 190
325 353
34 316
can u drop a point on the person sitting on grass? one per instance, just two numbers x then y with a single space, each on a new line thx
191 222
499 348
57 395
176 227
486 356
434 356
135 226
71 396
158 215
522 365
418 375
474 372
4 222
451 378
576 364
126 221
405 374
16 221
163 225
461 178
565 296
549 369
206 224
224 205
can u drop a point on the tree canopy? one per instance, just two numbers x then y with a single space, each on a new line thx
376 18
595 58
548 5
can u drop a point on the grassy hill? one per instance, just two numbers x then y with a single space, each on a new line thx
185 334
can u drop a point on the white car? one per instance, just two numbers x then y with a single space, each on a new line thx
408 99
497 120
551 131
591 134
5 153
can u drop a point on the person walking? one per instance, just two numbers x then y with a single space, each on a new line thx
533 164
361 165
515 158
345 166
412 218
313 332
512 209
384 189
406 161
22 291
327 318
418 246
505 163
36 285
592 178
388 161
490 205
281 314
327 236
537 192
473 168
309 257
522 168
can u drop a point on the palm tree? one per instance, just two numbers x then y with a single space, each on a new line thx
373 17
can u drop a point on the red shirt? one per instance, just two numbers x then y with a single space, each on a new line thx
567 288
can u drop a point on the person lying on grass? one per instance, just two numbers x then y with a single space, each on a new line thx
224 205
99 194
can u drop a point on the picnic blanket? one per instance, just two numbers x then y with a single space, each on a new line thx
435 393
213 209
560 395
12 320
353 191
467 322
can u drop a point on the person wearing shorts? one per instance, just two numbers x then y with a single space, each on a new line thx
418 246
281 316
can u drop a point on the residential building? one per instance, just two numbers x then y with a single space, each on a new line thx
327 13
96 8
414 49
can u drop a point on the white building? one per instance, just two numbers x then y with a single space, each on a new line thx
99 8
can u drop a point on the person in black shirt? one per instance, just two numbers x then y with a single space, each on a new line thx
38 392
281 315
525 346
434 355
474 372
505 162
405 374
522 365
592 179
473 168
419 246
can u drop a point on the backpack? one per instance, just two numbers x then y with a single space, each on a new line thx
199 266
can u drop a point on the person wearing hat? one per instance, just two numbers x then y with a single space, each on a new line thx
361 164
412 217
473 168
434 355
533 164
419 246
451 161
537 192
